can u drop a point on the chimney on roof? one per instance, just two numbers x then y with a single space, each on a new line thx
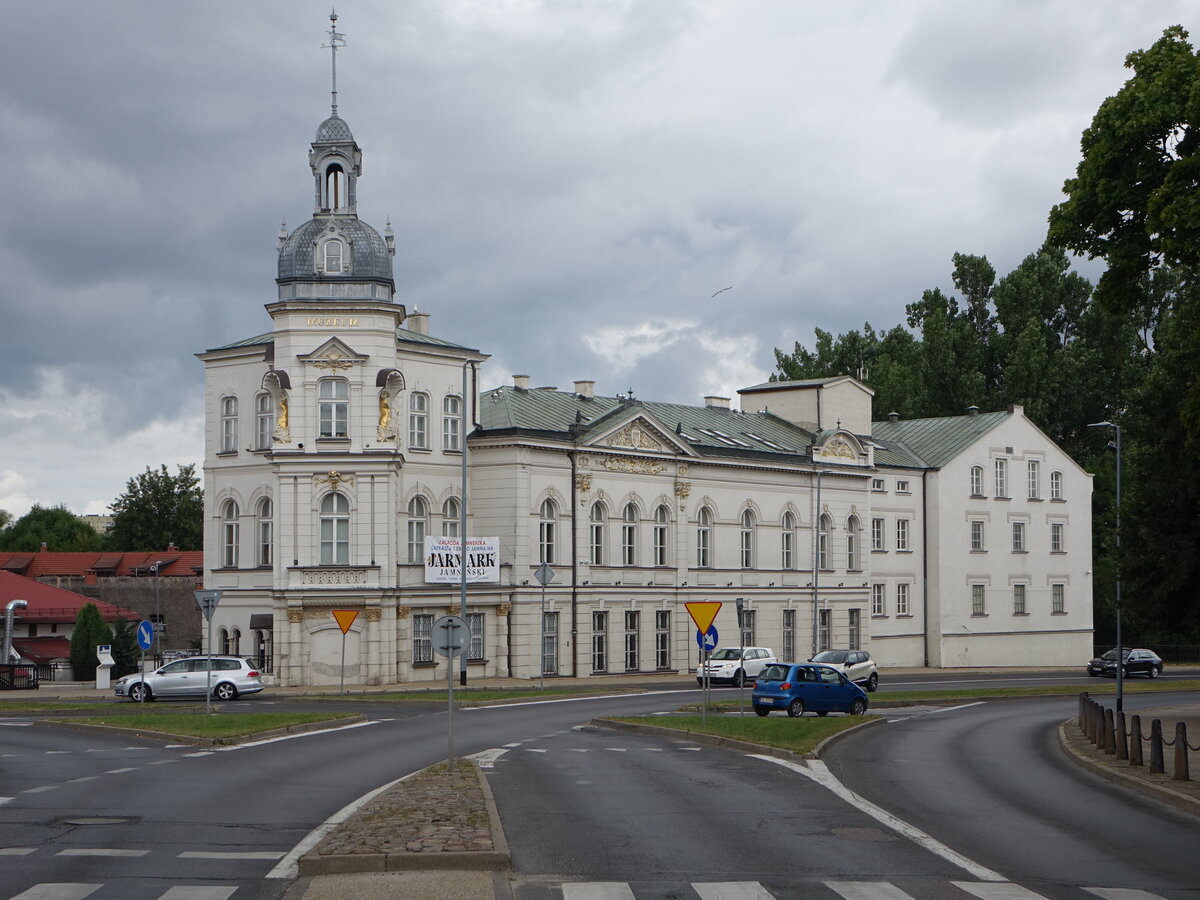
714 402
171 548
417 322
893 416
1015 410
972 410
521 382
43 548
585 389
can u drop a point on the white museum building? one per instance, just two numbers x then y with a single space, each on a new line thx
335 441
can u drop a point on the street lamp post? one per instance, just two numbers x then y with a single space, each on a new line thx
157 612
1120 648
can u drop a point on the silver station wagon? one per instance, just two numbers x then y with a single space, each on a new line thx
230 677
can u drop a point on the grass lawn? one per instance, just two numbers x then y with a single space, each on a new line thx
470 695
214 726
800 735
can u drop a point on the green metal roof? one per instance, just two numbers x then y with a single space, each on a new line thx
268 338
412 337
933 441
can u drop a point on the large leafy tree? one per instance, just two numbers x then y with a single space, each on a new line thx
55 526
158 508
89 632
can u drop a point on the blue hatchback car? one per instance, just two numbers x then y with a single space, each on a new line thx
800 687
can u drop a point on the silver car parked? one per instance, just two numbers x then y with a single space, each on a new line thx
230 677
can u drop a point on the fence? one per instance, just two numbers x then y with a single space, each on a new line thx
1106 730
18 677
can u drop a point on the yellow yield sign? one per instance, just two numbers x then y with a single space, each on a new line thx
345 618
703 612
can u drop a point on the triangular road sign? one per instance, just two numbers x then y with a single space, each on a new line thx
345 618
703 612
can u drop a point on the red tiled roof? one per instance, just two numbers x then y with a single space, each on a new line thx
50 604
175 562
43 649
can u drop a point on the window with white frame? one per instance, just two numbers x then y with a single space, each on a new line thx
853 563
788 544
598 518
902 599
1001 477
854 638
1019 600
902 486
629 535
1056 538
229 423
1033 479
333 257
978 603
877 534
451 517
266 539
878 485
747 540
418 526
1018 537
599 641
631 640
902 534
476 643
333 408
662 639
1056 485
748 628
418 421
230 538
879 599
662 525
422 638
451 422
547 528
704 538
976 481
823 629
977 545
335 530
789 634
1058 598
823 525
264 421
550 643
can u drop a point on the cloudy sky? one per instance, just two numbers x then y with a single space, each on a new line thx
569 183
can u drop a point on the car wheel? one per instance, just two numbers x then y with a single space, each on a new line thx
1155 671
761 711
225 691
858 707
140 693
823 712
873 681
796 708
1092 674
739 678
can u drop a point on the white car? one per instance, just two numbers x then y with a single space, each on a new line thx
732 665
857 665
230 677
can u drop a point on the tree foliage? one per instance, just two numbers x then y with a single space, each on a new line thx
158 508
125 650
89 632
55 526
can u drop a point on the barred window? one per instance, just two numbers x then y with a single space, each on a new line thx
662 639
977 600
1058 602
422 638
600 641
1019 600
475 627
631 640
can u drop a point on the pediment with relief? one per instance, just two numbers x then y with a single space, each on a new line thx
640 434
333 355
842 447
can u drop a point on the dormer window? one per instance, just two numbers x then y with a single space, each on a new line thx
335 188
333 257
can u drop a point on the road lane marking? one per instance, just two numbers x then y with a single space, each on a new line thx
571 700
130 768
56 752
289 737
84 778
59 890
199 892
101 851
229 854
1122 893
998 891
42 789
731 890
533 749
817 771
867 890
597 890
487 758
942 709
16 851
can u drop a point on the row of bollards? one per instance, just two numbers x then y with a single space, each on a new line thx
1106 730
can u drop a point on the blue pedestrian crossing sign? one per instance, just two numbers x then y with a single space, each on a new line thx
145 635
707 640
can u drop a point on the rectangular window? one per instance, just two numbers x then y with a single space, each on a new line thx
550 643
902 534
879 600
451 423
1001 478
902 599
854 640
600 641
1018 599
977 535
877 484
422 638
748 628
788 556
418 421
629 539
789 634
333 408
1018 537
902 487
475 626
1035 479
631 641
596 537
264 421
1056 538
1058 599
265 542
229 423
877 534
660 540
662 639
977 602
823 629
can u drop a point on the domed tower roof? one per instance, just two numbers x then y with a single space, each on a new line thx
364 254
334 129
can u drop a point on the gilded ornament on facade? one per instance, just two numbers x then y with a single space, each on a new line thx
504 609
633 466
403 612
839 448
583 483
374 614
682 489
295 616
635 436
388 429
333 361
282 434
333 479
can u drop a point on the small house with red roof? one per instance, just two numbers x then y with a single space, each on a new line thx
42 630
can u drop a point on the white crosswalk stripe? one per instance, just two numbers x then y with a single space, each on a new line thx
199 892
597 890
57 891
867 890
1122 894
850 890
732 890
997 891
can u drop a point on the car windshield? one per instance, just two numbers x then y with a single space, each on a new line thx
773 673
1112 654
727 653
830 656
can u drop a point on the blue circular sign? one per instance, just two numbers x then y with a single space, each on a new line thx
145 635
707 640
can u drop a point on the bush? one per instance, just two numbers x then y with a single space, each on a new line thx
90 631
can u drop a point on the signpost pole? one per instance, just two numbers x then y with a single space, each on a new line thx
450 707
449 636
544 574
342 686
207 601
741 659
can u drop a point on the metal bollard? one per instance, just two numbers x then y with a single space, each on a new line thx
1135 741
1110 740
1181 751
1081 716
1156 748
1093 732
1122 746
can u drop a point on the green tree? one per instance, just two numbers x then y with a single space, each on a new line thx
125 650
5 518
55 526
158 508
90 630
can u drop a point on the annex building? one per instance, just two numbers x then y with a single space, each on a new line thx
335 440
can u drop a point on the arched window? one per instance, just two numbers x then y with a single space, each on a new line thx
335 530
229 423
229 534
418 514
335 187
823 542
1056 485
451 514
266 532
662 525
546 532
629 537
223 642
852 546
704 522
235 642
264 420
976 481
788 540
418 421
598 517
333 257
747 541
334 407
451 422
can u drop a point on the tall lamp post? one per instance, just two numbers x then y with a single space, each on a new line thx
157 612
1120 648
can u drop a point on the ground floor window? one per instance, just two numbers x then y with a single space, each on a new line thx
789 634
854 642
550 643
476 644
600 641
1058 598
878 600
823 630
631 641
422 638
747 628
978 605
662 639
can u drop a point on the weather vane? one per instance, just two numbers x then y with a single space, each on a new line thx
336 39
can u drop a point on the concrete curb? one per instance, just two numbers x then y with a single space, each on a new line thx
1134 783
302 728
498 859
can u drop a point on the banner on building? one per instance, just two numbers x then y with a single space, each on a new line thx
442 560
